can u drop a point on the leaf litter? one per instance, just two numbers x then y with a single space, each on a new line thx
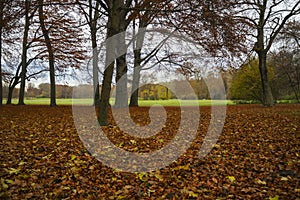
256 157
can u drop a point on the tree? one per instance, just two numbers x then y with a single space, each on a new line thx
286 61
267 18
92 16
147 11
196 77
246 83
50 52
1 25
9 16
126 11
117 23
62 38
24 52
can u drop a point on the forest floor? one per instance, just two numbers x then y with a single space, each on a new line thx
257 156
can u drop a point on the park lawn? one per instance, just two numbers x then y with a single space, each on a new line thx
170 102
256 157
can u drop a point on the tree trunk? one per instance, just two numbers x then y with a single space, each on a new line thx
134 98
51 55
121 83
95 71
24 54
267 97
1 19
10 93
105 95
116 16
135 86
107 77
93 27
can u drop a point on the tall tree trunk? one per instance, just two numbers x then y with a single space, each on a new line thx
261 50
108 74
11 90
116 16
121 83
93 27
1 20
121 72
51 55
119 19
267 97
24 54
9 95
134 98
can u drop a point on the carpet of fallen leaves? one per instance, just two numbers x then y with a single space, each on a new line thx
256 157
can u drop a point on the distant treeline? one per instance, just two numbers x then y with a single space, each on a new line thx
146 92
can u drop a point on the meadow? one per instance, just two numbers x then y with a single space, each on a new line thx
170 102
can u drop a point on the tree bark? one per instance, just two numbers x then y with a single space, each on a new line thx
121 48
10 92
134 102
116 12
93 27
51 55
24 54
109 69
121 83
267 97
1 20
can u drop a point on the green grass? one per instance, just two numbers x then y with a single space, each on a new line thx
170 102
175 102
46 101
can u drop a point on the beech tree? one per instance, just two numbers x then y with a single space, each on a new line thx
120 14
27 17
62 38
1 25
146 13
286 61
50 52
268 18
9 16
92 13
117 23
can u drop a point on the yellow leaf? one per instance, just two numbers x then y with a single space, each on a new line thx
284 179
189 192
73 157
261 182
274 198
143 176
21 163
120 145
9 181
12 171
133 141
158 176
231 178
3 184
297 190
184 167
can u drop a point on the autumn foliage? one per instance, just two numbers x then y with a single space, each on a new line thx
256 157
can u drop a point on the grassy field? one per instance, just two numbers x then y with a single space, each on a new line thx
170 102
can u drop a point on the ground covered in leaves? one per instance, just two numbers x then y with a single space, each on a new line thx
257 157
